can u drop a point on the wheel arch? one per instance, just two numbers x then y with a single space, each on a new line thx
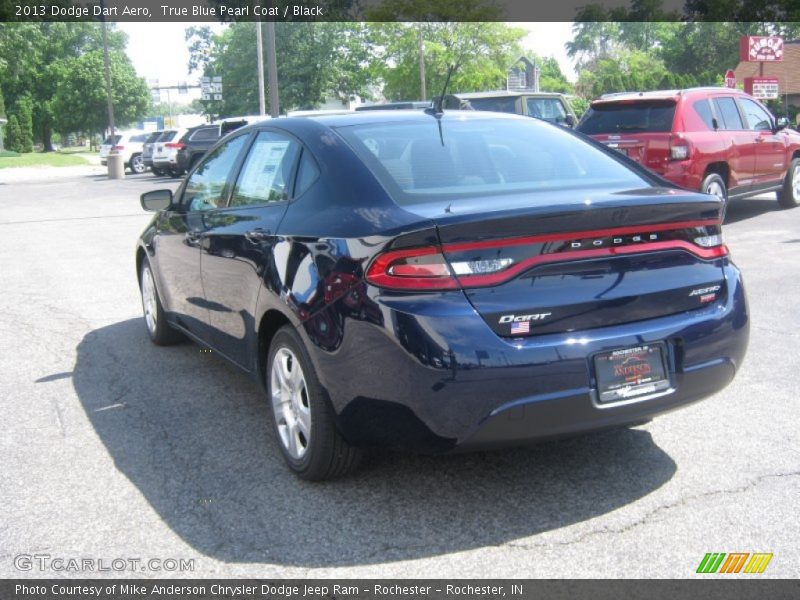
269 324
722 169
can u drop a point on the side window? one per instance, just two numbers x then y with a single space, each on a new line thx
207 133
205 187
703 110
549 109
728 114
267 171
307 173
757 118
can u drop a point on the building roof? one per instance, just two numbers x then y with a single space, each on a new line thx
787 71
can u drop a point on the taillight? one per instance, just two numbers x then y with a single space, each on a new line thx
679 148
412 269
492 262
177 145
118 148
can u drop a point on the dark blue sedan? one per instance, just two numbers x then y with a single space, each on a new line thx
438 282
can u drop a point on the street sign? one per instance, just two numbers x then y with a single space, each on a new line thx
217 79
216 88
761 48
217 96
730 78
763 88
205 80
205 97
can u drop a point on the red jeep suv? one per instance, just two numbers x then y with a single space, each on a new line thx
717 140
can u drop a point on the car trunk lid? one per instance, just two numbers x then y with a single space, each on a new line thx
563 261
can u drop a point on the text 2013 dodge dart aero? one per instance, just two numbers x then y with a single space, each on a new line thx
442 281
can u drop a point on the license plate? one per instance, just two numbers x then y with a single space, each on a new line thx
630 372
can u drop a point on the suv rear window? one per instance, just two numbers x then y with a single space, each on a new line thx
490 157
166 136
206 133
636 117
112 140
506 104
153 137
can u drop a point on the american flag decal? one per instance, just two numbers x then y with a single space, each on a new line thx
518 328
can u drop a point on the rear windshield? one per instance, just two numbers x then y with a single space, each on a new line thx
166 136
482 158
628 118
206 133
153 137
506 104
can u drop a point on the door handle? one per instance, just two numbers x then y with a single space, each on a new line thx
258 235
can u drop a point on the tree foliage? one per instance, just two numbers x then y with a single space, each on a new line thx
36 60
13 135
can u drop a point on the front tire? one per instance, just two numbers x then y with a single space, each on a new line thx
302 417
789 196
137 164
714 185
160 332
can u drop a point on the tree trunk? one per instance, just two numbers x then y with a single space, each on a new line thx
47 138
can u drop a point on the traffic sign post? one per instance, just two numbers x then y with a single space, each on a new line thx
730 79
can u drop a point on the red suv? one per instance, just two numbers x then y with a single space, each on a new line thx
717 140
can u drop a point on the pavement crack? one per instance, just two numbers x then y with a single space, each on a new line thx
649 516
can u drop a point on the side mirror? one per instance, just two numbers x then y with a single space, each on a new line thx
570 121
156 200
781 123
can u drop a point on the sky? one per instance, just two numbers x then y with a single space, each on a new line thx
159 50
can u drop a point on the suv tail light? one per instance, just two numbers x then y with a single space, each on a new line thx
177 145
679 148
118 148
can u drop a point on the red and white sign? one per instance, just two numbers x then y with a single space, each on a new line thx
730 78
763 88
761 48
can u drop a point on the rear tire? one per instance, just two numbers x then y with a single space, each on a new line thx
714 185
157 172
160 332
789 196
137 164
302 417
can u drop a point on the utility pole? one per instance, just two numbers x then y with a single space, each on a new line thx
262 108
272 68
107 63
423 91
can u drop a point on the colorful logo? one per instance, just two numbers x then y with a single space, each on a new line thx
734 562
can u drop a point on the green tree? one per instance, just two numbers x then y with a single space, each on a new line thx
23 110
13 134
481 52
80 99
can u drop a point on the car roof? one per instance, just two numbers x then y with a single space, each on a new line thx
393 116
506 94
664 94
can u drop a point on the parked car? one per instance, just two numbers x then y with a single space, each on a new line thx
374 273
717 140
147 149
193 145
547 106
130 145
165 152
229 124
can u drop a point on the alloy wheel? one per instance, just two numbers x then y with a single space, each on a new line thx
149 300
290 403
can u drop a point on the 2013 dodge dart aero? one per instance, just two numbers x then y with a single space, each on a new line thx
436 282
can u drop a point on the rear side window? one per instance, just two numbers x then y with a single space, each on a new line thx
506 104
757 118
549 109
152 137
703 110
727 113
112 140
205 134
307 173
636 117
139 138
267 173
491 157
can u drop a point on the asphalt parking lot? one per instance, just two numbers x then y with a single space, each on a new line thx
114 448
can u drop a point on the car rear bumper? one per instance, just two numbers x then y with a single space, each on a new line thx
426 373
